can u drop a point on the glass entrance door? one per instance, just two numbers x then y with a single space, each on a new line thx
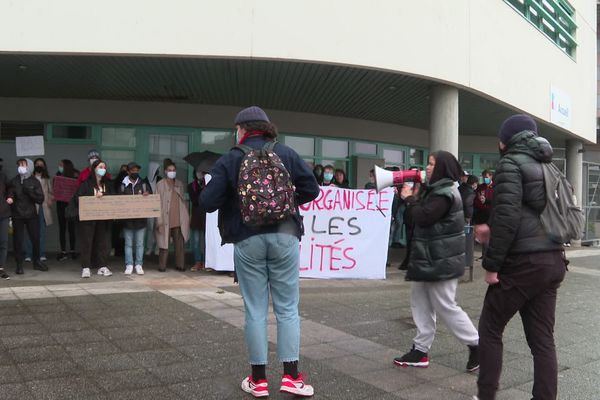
163 145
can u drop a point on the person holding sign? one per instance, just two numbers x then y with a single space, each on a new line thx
66 169
94 236
265 231
437 260
24 194
134 229
174 219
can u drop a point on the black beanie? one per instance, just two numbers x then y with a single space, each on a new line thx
515 124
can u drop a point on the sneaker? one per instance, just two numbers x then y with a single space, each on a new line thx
296 386
62 256
85 273
256 389
139 270
27 259
40 266
128 269
3 274
104 271
43 259
473 363
414 358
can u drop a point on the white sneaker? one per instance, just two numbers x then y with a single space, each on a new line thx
104 271
139 270
27 259
128 269
85 273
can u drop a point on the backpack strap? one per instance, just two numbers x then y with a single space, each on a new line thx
269 146
243 148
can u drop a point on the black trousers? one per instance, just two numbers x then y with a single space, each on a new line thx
33 230
94 242
63 226
528 285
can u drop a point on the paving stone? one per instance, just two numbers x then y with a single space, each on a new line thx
15 391
49 369
63 388
12 342
107 362
153 393
141 344
154 358
9 374
42 353
91 349
125 380
76 337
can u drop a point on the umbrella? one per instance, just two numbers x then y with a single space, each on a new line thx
202 160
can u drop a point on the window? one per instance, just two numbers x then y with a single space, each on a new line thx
417 157
217 141
10 130
393 157
334 148
174 147
115 158
77 132
305 146
488 161
466 161
118 137
365 148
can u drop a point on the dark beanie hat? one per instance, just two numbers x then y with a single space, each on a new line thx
515 124
251 114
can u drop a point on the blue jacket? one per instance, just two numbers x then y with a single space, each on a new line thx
221 193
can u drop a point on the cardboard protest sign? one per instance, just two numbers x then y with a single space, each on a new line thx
30 146
64 188
346 235
92 208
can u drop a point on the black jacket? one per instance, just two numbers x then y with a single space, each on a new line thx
25 196
519 198
4 207
221 193
198 218
467 195
138 188
87 188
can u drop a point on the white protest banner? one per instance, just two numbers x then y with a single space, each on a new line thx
29 146
219 258
346 235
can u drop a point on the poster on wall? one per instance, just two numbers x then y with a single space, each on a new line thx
346 234
29 146
560 107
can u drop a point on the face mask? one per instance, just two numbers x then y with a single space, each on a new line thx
171 174
328 176
487 181
38 169
134 176
22 170
61 169
199 175
93 160
101 172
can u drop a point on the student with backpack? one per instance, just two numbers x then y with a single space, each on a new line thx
134 230
524 264
257 187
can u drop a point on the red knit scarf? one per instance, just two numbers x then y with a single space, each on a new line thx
250 134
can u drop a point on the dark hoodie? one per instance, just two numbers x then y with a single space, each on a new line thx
519 198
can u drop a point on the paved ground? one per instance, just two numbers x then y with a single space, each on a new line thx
179 336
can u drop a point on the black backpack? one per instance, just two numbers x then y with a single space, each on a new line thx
562 219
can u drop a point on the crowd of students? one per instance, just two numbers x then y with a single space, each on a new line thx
28 201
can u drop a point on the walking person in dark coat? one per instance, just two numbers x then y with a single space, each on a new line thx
467 194
437 260
24 193
524 267
197 221
4 219
267 259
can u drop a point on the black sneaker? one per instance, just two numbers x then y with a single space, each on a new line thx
19 270
62 256
473 363
414 358
3 274
40 266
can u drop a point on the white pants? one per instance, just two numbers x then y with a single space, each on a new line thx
429 299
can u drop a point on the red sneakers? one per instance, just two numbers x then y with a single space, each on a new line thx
256 389
296 386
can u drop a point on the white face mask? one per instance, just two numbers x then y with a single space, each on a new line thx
171 174
22 170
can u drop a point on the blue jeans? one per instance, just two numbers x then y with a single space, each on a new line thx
137 236
263 262
198 245
42 223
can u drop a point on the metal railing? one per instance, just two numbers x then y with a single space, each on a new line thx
554 18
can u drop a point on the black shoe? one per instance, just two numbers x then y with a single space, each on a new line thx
414 358
162 270
3 274
404 265
40 266
473 363
19 270
62 256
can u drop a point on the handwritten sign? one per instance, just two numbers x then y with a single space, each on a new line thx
92 208
64 188
346 235
29 146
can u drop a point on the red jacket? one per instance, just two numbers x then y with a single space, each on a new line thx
85 174
489 196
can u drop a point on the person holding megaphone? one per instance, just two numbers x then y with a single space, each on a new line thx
437 258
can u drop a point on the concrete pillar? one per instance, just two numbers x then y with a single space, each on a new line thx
443 126
575 168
